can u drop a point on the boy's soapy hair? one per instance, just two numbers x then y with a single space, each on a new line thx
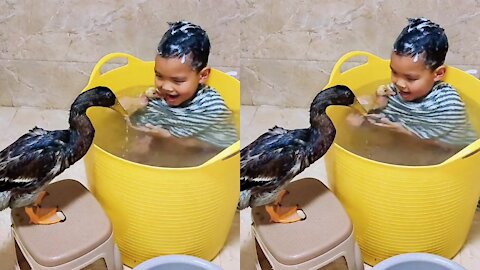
183 40
423 36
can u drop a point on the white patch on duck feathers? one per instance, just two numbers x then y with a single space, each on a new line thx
58 168
259 179
244 200
5 199
20 180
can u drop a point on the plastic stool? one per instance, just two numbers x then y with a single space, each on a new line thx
83 241
324 240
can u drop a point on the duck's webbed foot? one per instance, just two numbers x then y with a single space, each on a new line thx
283 214
43 216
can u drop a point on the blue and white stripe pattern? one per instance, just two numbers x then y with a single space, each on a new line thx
205 117
440 116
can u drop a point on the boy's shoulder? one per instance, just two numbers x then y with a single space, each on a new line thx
208 96
444 95
443 85
207 89
443 89
208 93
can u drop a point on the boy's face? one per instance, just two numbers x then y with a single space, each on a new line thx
177 82
413 79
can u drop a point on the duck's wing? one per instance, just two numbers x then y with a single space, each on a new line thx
273 158
33 157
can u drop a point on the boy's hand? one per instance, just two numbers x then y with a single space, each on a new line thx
193 143
142 145
132 104
355 119
152 130
382 121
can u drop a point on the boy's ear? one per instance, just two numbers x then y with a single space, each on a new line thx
204 73
439 73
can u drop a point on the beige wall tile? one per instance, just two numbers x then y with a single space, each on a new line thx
308 33
5 98
391 18
289 83
312 30
267 33
6 116
6 90
44 83
66 38
247 113
87 30
245 76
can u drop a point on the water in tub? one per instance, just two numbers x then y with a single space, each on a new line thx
114 136
380 144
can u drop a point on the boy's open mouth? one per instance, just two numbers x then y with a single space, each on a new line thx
404 95
170 98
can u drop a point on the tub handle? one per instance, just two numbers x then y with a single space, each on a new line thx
466 152
337 69
231 155
96 72
225 154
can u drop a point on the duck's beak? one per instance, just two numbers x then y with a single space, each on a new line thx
358 107
119 108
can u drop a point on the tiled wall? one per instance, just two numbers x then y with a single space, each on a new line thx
290 47
48 48
283 49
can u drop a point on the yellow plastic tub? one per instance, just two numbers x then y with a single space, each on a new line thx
157 211
402 209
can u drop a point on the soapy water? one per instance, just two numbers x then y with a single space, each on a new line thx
383 145
114 135
387 146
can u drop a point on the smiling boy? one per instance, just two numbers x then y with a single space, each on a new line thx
182 105
422 104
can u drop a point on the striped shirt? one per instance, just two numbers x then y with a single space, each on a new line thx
440 116
205 117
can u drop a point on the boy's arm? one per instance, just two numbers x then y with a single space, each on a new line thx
382 121
153 131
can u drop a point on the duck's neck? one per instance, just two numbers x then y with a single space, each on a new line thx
322 135
81 135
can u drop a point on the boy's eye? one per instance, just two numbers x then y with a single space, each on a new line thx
178 81
158 76
411 79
